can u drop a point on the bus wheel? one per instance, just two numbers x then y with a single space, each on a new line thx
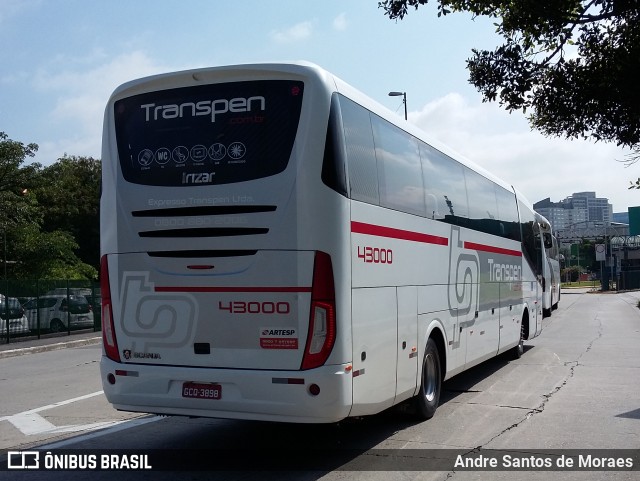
518 351
431 383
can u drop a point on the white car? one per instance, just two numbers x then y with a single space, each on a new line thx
18 323
59 313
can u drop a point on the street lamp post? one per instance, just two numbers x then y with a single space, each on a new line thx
404 100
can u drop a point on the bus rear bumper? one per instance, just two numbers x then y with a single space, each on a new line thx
321 395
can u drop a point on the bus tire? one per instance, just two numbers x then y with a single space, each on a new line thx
428 397
518 350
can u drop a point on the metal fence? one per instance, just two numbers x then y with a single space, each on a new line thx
42 308
629 279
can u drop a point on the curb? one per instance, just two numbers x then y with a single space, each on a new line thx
50 347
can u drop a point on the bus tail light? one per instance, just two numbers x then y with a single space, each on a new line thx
108 329
322 318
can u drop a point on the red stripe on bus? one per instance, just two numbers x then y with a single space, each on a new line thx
381 231
492 249
230 289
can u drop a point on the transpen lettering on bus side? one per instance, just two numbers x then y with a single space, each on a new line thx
277 246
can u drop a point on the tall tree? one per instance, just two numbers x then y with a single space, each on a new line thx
48 255
572 65
28 252
17 205
15 181
69 195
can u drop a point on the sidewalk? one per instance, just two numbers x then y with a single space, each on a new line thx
30 345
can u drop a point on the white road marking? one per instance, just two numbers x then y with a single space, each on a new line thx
55 405
31 423
117 426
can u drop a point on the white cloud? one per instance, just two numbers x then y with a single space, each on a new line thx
100 77
12 8
300 31
14 78
340 22
81 97
80 146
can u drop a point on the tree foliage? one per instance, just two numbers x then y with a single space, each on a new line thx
47 215
15 182
69 194
571 274
48 255
571 65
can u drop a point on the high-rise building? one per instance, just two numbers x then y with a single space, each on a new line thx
578 208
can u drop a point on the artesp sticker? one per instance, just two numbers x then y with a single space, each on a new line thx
278 338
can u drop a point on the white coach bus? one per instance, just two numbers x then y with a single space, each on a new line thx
550 267
277 246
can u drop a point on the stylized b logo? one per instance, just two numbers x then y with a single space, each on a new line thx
464 269
156 319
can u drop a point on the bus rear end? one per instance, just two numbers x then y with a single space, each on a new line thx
220 278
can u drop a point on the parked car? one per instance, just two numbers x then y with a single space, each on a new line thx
59 312
18 322
74 291
94 301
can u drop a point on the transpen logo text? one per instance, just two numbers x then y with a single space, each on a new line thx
209 108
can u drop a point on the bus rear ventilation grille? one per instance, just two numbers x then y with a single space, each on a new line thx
204 232
200 254
204 210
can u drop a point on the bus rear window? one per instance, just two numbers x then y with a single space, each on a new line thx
209 134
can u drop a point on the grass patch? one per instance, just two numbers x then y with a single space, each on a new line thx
592 284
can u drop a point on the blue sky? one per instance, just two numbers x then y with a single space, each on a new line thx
61 59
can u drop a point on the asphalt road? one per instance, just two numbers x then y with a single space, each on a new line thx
576 389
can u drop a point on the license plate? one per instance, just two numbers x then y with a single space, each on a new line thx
197 390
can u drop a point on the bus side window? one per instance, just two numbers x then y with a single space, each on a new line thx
334 174
399 170
483 209
508 213
361 156
444 186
